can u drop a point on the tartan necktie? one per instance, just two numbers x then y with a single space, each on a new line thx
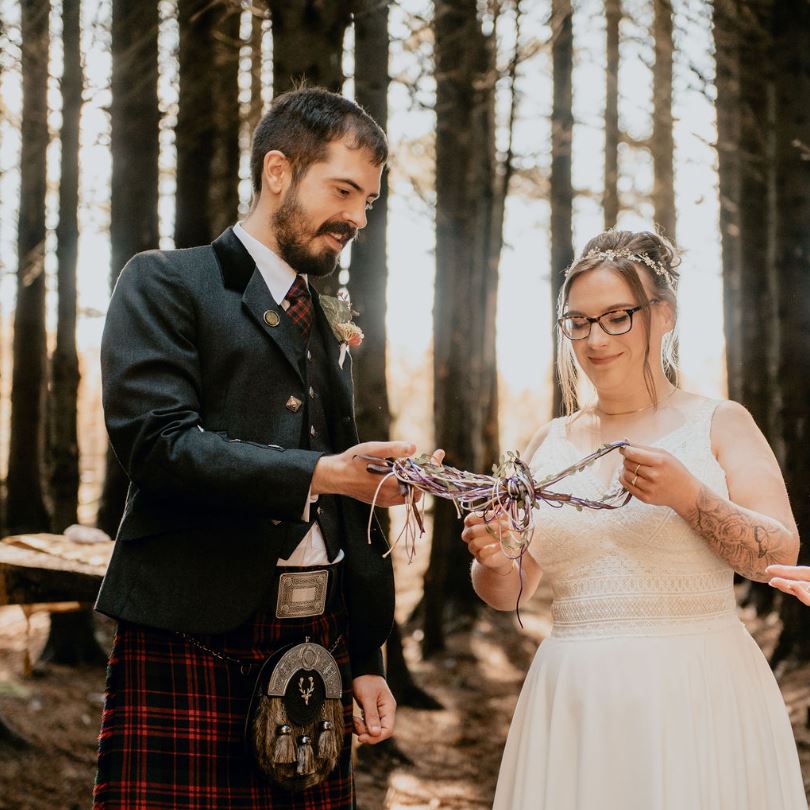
300 306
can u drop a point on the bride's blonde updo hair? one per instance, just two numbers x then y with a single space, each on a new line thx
629 254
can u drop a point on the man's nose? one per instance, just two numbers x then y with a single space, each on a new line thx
356 215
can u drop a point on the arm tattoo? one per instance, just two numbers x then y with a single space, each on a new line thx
747 541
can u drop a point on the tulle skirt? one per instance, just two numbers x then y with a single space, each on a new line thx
689 721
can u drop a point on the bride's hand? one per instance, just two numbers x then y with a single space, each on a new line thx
792 579
656 477
483 543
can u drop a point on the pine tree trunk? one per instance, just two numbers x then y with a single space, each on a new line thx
71 639
135 119
792 71
26 504
663 146
562 131
223 196
758 323
308 43
64 444
368 281
747 218
727 81
368 278
195 133
256 68
610 201
466 291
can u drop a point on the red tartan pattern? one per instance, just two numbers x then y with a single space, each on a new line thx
300 309
172 727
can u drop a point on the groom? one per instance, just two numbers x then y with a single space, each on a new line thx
228 400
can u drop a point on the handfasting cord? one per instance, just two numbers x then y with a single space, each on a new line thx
510 491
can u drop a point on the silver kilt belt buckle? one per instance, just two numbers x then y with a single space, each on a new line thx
302 594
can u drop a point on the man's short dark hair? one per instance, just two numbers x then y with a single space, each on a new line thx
302 123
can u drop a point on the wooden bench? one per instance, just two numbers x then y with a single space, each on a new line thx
50 571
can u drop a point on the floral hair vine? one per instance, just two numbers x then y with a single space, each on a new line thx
611 255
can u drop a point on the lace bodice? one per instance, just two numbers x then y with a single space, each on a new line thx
638 570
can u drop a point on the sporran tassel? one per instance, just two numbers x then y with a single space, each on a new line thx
284 748
327 741
306 758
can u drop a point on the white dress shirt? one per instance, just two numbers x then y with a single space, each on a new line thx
279 277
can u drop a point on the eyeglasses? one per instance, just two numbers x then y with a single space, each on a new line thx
615 322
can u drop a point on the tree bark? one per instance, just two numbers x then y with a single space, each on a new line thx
562 131
256 68
758 323
610 200
663 146
64 444
223 195
308 42
727 81
466 290
208 121
368 281
368 278
135 119
71 638
26 507
791 31
195 133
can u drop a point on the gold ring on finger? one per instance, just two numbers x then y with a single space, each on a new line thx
635 472
633 482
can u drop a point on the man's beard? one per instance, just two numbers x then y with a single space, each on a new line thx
289 225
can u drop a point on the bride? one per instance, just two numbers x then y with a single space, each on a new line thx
649 694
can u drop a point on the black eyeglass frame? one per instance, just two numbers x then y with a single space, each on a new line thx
598 319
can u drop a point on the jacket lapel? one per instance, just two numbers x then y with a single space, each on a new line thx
341 378
239 273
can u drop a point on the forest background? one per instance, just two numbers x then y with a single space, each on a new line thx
518 130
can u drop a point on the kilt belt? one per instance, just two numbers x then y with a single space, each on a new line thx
175 706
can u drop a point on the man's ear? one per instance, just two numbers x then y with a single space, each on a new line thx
276 172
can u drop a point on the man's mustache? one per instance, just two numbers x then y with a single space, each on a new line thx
338 227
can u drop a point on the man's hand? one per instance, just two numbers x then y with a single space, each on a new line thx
347 473
378 709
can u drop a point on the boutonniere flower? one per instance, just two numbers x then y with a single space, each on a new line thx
339 313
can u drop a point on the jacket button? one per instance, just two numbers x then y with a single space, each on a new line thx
293 404
318 511
313 432
271 318
311 392
309 355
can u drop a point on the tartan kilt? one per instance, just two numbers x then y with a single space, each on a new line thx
173 720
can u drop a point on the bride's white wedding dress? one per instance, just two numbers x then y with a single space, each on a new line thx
649 693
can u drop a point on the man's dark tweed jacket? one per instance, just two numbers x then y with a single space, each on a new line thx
194 389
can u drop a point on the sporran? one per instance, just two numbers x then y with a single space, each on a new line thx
294 727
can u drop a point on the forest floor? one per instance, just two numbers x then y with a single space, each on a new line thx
453 753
